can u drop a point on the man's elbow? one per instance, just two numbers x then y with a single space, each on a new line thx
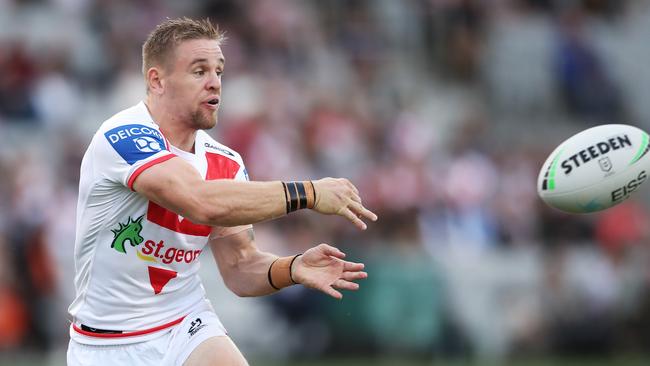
240 291
214 215
244 294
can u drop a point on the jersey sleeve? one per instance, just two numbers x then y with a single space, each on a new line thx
124 152
221 231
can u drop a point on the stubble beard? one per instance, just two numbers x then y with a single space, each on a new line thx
201 122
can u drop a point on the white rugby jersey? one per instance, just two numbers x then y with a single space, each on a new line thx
136 262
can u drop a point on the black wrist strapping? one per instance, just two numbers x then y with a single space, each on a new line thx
268 274
280 273
291 267
295 195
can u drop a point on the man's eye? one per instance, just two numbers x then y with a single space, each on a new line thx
199 72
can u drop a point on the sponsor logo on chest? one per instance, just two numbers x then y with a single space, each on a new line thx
156 252
151 251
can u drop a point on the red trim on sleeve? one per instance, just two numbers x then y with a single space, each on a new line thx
127 334
146 166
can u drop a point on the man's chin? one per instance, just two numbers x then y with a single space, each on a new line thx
211 122
203 122
210 125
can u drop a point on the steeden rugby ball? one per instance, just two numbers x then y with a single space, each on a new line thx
595 169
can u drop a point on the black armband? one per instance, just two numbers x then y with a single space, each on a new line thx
297 197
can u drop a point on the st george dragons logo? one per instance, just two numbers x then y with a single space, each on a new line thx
127 232
151 252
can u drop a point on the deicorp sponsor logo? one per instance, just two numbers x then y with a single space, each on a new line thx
135 142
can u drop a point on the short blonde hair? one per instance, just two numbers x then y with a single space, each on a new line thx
162 41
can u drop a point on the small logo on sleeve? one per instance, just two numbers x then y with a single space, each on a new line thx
220 149
195 326
135 142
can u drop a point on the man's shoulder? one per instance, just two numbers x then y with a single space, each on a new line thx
211 145
131 133
135 115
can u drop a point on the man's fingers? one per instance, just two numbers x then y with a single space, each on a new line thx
352 276
358 209
352 266
331 251
356 198
345 212
332 292
345 285
354 189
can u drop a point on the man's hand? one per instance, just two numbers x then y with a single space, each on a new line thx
323 268
340 197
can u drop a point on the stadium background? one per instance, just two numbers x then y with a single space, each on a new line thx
441 111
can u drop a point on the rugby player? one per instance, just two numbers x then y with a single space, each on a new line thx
154 190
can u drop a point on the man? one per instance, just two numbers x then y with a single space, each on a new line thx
154 190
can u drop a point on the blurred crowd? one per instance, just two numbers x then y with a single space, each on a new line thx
440 111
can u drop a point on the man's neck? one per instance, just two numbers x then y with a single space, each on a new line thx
174 130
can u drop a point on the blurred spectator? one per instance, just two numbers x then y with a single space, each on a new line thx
584 78
16 82
622 227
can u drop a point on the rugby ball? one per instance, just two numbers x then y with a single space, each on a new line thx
595 169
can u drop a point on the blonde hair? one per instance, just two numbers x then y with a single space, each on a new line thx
162 41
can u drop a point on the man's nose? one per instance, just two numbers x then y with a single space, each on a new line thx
214 82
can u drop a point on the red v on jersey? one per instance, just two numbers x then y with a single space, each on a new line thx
170 220
219 167
159 277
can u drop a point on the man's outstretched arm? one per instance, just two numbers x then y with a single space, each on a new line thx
177 186
247 271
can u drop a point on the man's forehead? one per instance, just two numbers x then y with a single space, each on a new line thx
200 51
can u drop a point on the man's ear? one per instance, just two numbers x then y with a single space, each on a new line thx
155 84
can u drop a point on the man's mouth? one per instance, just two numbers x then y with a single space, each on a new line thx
212 103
